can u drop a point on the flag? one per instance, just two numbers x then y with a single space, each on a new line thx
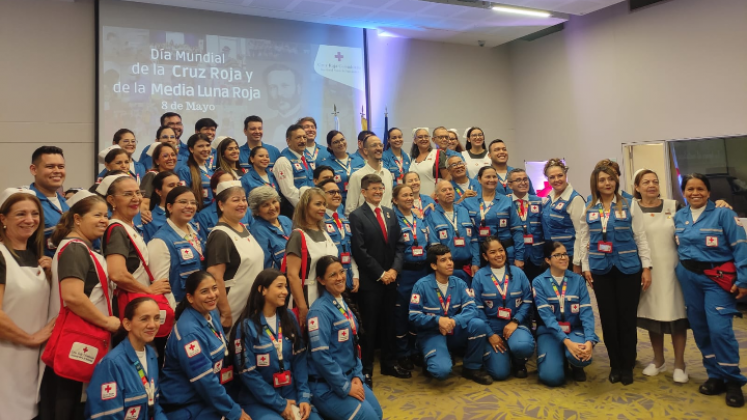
386 129
337 120
364 122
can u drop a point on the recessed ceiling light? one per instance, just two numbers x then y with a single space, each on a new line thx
526 12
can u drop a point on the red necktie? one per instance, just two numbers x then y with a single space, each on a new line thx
381 224
337 220
523 209
303 159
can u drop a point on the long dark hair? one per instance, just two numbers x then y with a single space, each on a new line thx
155 198
190 286
253 311
321 269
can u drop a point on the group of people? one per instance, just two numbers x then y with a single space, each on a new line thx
209 279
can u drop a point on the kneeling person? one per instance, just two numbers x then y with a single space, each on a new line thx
503 297
442 309
566 319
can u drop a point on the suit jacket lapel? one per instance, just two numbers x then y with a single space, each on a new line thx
372 218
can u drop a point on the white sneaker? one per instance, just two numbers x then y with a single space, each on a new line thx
680 376
652 370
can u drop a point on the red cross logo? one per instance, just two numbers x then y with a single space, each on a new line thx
108 388
85 349
192 347
339 56
132 413
262 358
344 333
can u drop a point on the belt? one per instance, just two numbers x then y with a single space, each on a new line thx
318 379
699 267
413 266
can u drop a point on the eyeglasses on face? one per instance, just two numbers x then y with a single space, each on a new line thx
560 256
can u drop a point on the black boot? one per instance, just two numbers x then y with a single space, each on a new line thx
734 396
520 369
406 363
615 376
417 359
626 378
578 374
477 375
712 386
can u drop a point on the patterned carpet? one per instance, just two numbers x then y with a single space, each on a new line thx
648 398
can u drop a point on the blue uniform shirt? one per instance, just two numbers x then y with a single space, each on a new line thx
185 175
443 231
244 152
272 239
459 191
342 172
319 155
116 390
252 180
138 173
257 361
488 298
503 222
620 233
393 163
414 234
357 161
159 219
426 205
207 218
342 239
532 225
333 356
426 309
577 306
194 359
717 236
52 216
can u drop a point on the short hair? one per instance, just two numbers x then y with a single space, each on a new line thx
321 184
435 251
482 170
259 195
45 150
252 118
494 142
370 179
169 115
292 128
119 133
305 120
398 188
514 171
639 177
321 168
160 130
695 175
368 137
205 123
363 135
440 127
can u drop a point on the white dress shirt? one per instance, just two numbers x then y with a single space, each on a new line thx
355 198
283 171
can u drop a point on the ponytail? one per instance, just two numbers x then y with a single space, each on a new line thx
67 221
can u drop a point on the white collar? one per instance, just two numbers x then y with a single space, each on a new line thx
180 232
566 193
311 149
374 170
330 212
515 198
373 207
294 153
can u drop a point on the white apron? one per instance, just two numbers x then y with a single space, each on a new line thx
316 251
252 260
140 274
26 302
474 165
663 301
425 171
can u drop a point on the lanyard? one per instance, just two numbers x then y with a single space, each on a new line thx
453 221
192 239
278 343
346 166
414 227
348 315
150 388
484 209
441 300
604 216
268 183
504 183
561 297
314 156
401 165
220 336
504 290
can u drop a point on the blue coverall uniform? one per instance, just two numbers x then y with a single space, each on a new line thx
251 180
340 235
577 311
518 299
459 304
716 237
52 216
342 173
158 216
443 231
334 361
272 239
504 223
116 391
185 175
245 151
391 162
503 188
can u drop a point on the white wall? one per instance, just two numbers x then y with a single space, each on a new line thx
46 86
674 70
430 84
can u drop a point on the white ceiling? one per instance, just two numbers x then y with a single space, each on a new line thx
453 21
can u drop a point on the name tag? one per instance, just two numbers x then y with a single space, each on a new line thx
417 251
345 257
484 231
605 247
347 228
226 375
280 379
593 216
565 327
459 241
204 193
528 239
504 313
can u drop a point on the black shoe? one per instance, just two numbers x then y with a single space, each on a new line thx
712 386
615 376
426 373
477 375
734 396
578 374
417 360
406 363
626 378
368 380
520 370
395 371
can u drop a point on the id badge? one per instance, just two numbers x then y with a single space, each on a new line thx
528 240
281 378
459 241
605 247
226 375
204 193
565 327
345 257
504 313
417 251
484 231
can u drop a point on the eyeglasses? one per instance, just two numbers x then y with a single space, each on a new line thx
456 165
336 142
560 256
128 141
165 137
186 202
333 192
441 137
521 180
130 194
476 136
170 155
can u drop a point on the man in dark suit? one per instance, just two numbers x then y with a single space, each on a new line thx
376 246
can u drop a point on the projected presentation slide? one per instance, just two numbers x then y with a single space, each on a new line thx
145 72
